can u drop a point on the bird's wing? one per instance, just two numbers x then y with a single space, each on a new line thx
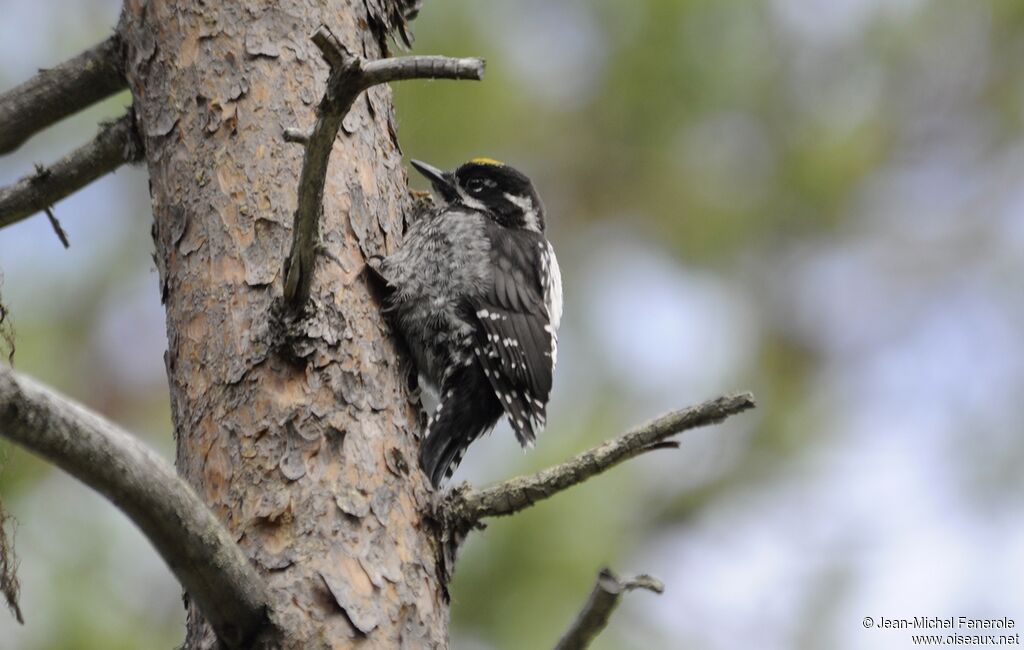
516 341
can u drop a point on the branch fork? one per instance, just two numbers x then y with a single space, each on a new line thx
350 75
604 598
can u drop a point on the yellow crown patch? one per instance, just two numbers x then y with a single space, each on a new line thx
486 161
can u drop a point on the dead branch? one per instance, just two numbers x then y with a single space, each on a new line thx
54 94
350 75
604 598
462 508
200 552
116 144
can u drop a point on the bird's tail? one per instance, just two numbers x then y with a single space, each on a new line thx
460 418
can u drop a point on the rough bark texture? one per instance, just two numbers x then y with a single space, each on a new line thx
305 444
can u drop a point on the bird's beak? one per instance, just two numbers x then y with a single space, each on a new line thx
443 182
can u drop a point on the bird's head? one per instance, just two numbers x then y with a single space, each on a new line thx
505 194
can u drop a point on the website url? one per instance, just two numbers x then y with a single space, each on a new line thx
966 639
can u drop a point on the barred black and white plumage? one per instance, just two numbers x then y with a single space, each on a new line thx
476 293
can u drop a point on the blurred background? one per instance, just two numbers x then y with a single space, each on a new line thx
821 201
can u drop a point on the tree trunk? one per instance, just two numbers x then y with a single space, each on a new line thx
303 443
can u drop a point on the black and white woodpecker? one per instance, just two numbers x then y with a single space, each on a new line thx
476 293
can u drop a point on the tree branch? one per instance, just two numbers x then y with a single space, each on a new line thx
422 67
54 94
116 144
462 508
603 600
197 548
350 75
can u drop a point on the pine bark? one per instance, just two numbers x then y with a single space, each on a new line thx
302 439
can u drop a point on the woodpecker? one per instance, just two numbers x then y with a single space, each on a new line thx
476 294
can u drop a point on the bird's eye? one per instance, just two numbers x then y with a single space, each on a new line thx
475 185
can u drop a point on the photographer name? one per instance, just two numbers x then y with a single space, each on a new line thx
946 623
